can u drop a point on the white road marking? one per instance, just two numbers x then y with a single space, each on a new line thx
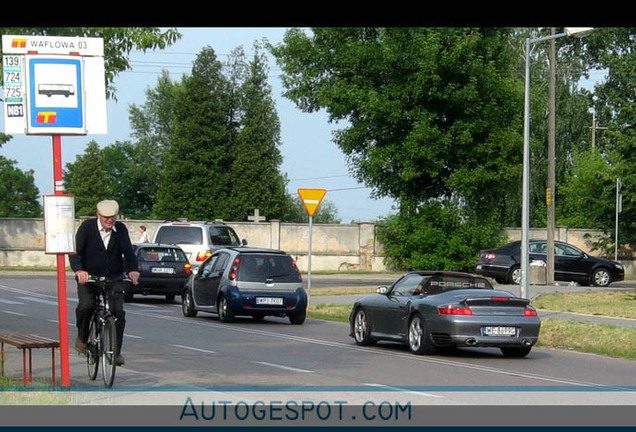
402 390
11 302
133 336
287 368
15 313
194 349
39 300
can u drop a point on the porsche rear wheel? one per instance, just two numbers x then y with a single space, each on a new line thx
419 342
361 328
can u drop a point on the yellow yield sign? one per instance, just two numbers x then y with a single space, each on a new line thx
311 199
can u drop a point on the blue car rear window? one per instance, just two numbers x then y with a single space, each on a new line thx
260 268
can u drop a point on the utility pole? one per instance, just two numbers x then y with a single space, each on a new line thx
619 208
525 195
594 129
550 192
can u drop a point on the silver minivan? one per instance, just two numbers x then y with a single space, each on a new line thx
197 239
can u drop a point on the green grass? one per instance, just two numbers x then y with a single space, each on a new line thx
13 392
602 339
606 303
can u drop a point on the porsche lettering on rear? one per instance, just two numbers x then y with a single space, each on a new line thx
458 284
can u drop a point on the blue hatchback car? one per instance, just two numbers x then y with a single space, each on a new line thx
246 281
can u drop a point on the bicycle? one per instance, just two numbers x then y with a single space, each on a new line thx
102 334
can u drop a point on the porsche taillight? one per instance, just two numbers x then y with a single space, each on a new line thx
454 310
529 311
234 269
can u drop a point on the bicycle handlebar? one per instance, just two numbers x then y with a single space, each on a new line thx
123 277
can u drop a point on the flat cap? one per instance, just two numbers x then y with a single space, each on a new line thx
108 208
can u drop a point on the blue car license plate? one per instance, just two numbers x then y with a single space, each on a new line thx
278 301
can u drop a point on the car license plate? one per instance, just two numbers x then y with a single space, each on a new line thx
163 270
499 331
269 301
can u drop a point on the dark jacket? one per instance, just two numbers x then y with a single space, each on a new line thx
97 260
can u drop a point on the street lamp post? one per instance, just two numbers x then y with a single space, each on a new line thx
525 211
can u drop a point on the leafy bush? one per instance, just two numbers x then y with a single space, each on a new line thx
437 236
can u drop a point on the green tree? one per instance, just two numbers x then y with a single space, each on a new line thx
435 237
429 110
18 194
295 212
612 50
132 176
589 192
255 178
153 123
86 179
432 115
198 161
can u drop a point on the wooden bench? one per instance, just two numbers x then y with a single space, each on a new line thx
28 342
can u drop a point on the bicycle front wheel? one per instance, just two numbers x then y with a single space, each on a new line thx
109 351
93 349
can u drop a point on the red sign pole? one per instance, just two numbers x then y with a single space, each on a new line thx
58 186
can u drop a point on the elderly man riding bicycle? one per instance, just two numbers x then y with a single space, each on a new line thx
103 249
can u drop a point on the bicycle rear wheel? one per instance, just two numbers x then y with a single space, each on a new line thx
109 351
93 349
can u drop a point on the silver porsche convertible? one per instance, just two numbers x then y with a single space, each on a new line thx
431 310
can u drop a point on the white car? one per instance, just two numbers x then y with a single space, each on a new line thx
197 239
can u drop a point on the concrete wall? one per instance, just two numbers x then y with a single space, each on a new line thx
334 247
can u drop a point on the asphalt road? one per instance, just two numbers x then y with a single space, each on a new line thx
163 349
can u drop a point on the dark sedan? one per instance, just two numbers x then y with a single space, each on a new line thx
570 264
431 310
163 270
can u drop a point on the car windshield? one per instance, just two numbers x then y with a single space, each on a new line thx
259 268
179 235
162 254
223 236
